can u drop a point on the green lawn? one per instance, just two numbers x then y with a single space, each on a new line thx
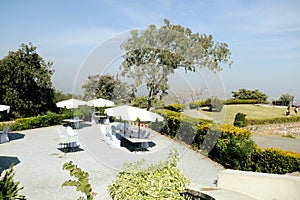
252 111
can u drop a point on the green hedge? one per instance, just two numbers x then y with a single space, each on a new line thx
276 161
235 149
177 124
277 120
197 104
36 122
241 101
175 107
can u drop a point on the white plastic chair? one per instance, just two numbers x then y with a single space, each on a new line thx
71 131
76 124
4 135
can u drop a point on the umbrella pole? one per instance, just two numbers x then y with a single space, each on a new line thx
139 129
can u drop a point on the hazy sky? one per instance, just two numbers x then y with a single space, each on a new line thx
263 36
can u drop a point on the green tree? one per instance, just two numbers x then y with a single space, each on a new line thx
25 82
153 54
286 99
107 87
250 94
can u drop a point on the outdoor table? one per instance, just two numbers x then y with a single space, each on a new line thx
71 122
68 143
134 141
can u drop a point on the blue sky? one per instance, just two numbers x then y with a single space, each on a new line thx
263 36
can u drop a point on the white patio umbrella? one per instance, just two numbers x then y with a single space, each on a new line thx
5 107
129 113
100 103
71 103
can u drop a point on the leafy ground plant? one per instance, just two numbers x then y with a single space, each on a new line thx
8 187
160 181
82 182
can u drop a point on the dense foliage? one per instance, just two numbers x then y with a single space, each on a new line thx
49 119
240 120
214 104
9 188
276 161
177 125
241 101
141 102
235 149
250 94
153 54
175 107
198 104
81 181
107 87
277 120
160 181
284 100
25 83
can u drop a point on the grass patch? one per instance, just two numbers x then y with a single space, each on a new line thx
252 111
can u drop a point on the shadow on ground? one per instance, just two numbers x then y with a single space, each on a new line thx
136 146
70 149
15 136
6 161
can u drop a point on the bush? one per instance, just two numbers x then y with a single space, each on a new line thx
36 122
240 120
235 149
229 145
276 161
175 107
241 101
160 181
277 120
177 124
197 104
214 104
8 187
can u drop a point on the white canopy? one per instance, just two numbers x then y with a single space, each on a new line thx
71 103
129 113
5 107
100 102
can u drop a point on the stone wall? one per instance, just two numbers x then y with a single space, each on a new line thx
276 129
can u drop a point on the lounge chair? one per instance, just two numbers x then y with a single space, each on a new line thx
4 135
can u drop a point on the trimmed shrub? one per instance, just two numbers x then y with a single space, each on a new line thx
175 107
241 101
276 161
193 105
231 146
277 120
214 104
235 149
36 122
177 124
197 104
240 120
